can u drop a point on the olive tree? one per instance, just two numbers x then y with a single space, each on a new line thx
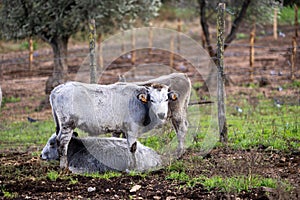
55 21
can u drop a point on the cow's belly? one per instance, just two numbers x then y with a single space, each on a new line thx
97 125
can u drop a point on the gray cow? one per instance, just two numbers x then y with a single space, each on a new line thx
98 109
88 155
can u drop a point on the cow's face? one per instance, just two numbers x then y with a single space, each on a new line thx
157 99
50 152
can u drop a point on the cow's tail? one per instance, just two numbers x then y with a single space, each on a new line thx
55 117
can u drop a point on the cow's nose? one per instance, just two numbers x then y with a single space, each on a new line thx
161 115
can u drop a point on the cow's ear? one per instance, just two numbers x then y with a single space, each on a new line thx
143 97
173 96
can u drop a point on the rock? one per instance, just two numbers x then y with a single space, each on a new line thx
91 189
135 188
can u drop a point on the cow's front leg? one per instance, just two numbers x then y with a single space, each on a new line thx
132 146
63 138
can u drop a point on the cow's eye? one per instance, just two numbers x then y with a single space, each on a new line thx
51 143
151 100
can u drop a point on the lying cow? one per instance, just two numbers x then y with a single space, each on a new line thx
98 109
88 155
181 85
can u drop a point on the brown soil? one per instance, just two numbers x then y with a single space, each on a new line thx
25 176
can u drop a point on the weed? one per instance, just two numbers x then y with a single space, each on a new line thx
140 174
52 175
106 175
179 176
177 165
11 99
234 184
9 195
73 181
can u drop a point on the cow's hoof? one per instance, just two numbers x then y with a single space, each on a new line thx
180 153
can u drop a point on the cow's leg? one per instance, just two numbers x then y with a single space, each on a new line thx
132 146
180 125
63 138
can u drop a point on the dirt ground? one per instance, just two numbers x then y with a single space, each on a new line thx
19 170
221 162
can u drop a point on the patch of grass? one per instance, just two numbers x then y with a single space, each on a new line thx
235 184
22 135
177 165
73 181
266 125
179 176
11 99
241 36
140 174
296 84
52 175
106 175
9 195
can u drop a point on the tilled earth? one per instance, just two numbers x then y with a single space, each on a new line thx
24 176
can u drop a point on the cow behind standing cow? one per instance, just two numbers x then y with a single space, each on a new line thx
177 112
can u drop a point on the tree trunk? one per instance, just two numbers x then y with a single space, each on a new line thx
236 23
59 75
205 27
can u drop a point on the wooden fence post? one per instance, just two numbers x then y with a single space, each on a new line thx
275 35
172 51
133 56
221 75
251 60
293 57
179 25
30 45
150 38
100 56
123 42
92 38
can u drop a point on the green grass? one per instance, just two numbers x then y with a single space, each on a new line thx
52 175
21 135
107 175
235 184
266 125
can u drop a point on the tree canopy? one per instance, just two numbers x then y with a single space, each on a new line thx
54 21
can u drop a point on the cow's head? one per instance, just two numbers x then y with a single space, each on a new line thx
157 99
50 152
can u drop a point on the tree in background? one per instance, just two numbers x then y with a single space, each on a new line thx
250 11
55 21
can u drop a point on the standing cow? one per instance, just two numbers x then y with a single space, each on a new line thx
98 109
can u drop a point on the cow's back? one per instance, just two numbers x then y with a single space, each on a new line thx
97 108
